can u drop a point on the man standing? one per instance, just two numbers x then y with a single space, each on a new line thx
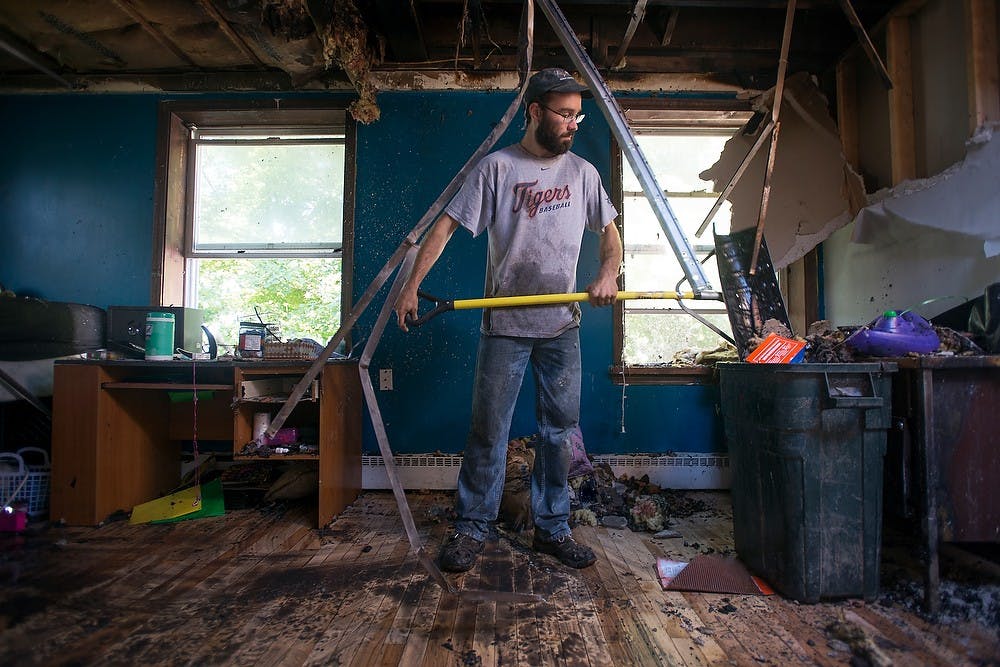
535 199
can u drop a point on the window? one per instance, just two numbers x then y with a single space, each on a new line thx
654 335
256 224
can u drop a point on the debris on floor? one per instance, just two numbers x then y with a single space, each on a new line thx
255 475
515 503
965 595
355 593
647 513
851 632
299 480
598 497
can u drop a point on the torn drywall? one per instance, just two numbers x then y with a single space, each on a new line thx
812 186
965 198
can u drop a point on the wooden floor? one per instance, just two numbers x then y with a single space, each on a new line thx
265 588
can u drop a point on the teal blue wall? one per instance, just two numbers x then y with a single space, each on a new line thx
76 197
76 210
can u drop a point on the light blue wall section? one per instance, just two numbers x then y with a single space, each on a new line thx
76 209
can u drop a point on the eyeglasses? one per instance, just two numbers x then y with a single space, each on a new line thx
567 117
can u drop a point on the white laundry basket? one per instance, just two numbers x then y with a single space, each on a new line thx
25 477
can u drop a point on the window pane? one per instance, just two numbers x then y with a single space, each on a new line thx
676 160
643 226
644 274
656 339
655 331
270 196
301 295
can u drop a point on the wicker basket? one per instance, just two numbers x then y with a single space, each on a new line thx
28 483
292 349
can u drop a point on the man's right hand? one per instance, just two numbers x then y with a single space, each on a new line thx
406 306
430 250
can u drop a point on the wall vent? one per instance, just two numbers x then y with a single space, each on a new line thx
440 471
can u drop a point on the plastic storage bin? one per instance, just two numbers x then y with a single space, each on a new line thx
25 477
806 443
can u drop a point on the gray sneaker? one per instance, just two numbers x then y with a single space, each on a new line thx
460 552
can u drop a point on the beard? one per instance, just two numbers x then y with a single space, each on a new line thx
553 138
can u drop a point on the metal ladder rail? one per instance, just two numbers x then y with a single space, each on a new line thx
619 127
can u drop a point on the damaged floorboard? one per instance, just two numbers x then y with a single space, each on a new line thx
258 587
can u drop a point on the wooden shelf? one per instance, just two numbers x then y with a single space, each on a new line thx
331 408
117 439
167 386
276 399
274 388
276 457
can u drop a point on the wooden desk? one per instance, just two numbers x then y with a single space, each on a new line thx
116 435
944 469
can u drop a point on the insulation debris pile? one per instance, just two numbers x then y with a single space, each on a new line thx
598 497
825 344
692 357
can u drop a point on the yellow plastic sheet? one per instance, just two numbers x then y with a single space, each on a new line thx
168 507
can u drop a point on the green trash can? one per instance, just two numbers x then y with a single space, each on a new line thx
806 443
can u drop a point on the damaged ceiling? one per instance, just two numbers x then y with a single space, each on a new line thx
222 45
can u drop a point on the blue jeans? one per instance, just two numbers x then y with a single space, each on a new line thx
500 367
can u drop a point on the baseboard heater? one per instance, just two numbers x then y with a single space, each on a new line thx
440 471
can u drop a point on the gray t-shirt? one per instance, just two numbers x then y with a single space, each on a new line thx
535 210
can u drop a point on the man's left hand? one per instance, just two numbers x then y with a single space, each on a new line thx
603 291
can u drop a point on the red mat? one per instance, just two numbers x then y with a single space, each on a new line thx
718 574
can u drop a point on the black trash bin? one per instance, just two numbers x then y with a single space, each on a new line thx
806 443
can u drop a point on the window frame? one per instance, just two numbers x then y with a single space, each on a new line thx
643 113
174 179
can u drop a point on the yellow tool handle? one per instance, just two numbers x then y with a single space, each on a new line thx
443 306
546 299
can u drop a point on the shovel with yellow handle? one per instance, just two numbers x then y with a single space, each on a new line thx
444 305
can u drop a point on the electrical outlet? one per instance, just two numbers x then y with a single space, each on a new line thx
385 379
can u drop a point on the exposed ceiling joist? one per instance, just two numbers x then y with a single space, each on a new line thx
154 32
638 12
403 33
328 43
228 31
669 25
32 58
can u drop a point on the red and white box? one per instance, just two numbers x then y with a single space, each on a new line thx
778 350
